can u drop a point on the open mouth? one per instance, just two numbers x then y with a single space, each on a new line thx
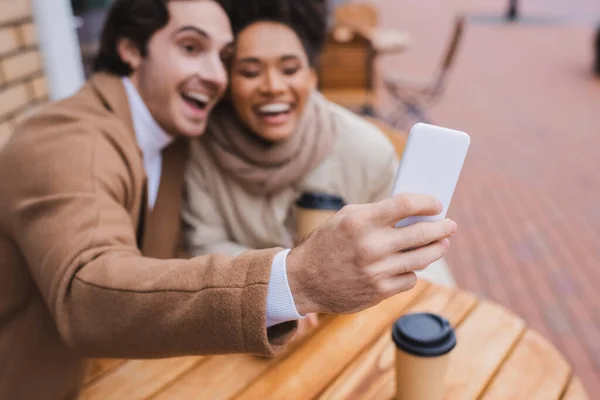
196 100
274 112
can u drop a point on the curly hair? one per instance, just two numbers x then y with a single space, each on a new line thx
307 18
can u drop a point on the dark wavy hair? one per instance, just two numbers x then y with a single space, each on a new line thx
307 18
136 20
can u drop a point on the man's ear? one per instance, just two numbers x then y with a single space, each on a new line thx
129 53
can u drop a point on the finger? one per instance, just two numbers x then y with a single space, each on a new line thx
393 209
313 319
414 260
384 242
398 284
421 234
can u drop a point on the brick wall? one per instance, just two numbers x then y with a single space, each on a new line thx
22 81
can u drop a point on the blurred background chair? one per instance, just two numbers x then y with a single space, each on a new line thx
364 18
412 95
347 71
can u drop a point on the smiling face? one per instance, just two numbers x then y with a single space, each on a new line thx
182 75
271 80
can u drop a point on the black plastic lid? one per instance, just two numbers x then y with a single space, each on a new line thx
424 335
320 201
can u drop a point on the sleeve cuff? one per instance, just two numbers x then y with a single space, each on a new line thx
280 302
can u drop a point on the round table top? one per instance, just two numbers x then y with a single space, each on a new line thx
352 356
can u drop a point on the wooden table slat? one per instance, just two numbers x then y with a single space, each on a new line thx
328 352
372 375
534 371
139 379
575 391
484 340
96 368
460 306
221 377
364 378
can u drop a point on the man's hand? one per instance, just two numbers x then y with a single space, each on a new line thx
358 258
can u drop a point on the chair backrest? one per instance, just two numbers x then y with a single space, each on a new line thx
356 15
345 64
450 56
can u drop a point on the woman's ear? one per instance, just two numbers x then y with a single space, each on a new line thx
129 53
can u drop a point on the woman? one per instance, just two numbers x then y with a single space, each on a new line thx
272 139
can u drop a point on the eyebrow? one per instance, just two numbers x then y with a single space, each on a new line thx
193 29
226 47
254 60
289 57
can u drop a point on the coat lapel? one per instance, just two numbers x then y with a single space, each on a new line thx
157 230
161 233
111 92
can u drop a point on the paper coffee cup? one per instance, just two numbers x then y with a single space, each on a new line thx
423 345
313 209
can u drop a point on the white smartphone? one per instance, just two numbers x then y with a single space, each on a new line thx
431 164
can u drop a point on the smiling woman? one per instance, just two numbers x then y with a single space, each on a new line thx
275 136
271 80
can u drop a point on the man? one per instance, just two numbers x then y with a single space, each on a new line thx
89 213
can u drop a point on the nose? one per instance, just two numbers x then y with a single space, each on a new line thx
273 83
213 73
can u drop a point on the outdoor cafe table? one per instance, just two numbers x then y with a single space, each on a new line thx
352 357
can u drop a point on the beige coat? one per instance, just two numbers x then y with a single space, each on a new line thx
73 281
221 217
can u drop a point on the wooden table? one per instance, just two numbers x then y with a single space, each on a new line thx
351 357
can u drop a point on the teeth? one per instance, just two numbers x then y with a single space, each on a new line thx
200 97
274 108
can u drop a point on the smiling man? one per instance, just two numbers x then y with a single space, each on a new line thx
89 222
